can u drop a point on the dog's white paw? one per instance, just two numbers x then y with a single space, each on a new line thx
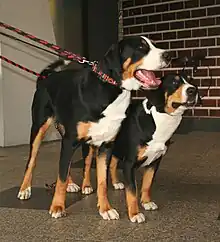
72 187
118 186
138 218
57 212
87 190
24 195
111 214
149 206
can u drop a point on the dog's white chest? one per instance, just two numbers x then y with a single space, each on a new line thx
107 127
166 125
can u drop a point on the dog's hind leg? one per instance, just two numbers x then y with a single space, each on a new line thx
148 177
88 152
114 175
41 121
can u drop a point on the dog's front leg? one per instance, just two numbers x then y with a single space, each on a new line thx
57 208
148 177
105 210
131 193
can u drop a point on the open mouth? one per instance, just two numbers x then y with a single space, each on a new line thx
191 103
147 79
186 104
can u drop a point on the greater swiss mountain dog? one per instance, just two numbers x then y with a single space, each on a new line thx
144 137
88 110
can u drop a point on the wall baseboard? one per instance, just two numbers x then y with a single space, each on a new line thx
190 124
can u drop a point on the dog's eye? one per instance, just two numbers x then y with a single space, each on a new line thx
143 48
175 82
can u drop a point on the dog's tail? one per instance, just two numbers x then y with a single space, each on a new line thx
52 67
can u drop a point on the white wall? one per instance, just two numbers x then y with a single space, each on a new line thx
16 86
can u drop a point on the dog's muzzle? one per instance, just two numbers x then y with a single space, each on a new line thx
193 98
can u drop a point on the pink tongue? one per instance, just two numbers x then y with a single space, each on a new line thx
148 78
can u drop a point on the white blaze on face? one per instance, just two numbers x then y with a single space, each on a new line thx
154 59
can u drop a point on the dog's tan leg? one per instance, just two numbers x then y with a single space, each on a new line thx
114 176
86 185
131 193
25 189
57 208
105 210
132 204
145 190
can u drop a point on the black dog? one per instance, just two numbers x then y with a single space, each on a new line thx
89 110
144 137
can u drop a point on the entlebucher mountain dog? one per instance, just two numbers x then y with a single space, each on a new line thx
86 109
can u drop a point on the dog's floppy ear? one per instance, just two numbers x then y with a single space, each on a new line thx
117 59
133 48
156 98
112 62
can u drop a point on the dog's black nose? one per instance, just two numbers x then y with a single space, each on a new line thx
191 91
166 56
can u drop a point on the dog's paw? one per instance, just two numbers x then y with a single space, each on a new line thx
149 206
118 186
57 211
87 190
25 194
72 187
111 214
138 218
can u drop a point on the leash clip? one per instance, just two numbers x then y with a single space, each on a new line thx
83 60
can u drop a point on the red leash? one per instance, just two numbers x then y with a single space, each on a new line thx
62 52
21 67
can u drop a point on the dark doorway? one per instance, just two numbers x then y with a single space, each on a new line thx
86 27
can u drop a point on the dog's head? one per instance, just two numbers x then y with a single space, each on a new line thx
174 95
132 61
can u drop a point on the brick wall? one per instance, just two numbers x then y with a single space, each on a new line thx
186 27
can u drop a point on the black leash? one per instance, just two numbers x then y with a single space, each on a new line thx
27 43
